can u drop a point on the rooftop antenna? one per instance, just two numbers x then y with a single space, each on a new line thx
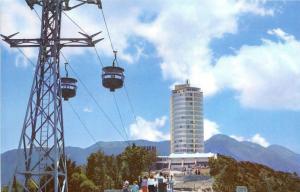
187 82
41 148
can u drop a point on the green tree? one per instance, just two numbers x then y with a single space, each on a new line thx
135 161
17 186
113 173
150 159
4 189
80 182
73 169
229 173
88 186
96 169
31 185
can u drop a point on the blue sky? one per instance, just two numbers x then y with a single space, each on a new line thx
244 56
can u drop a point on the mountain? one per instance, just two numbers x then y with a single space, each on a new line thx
274 156
113 148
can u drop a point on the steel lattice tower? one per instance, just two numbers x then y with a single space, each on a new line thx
41 153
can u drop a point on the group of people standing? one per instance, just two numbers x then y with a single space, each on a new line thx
160 183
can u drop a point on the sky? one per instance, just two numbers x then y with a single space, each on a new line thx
244 55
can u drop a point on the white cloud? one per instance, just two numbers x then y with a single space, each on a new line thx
203 19
15 17
238 138
257 138
21 61
149 130
182 33
281 34
87 109
265 76
210 129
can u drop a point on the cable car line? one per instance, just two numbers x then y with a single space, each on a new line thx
84 125
94 99
112 47
22 52
109 73
100 61
37 14
81 121
74 22
131 106
112 71
77 115
98 56
86 89
120 116
97 104
111 44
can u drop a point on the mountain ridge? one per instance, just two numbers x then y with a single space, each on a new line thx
275 156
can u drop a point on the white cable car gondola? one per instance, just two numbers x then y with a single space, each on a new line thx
68 86
112 76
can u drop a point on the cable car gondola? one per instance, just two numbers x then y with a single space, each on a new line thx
68 86
113 76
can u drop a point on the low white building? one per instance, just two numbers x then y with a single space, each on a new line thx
184 161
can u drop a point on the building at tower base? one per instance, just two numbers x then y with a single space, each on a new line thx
184 161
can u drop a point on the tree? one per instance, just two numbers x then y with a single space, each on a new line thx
4 189
72 167
150 158
113 172
72 172
80 182
32 186
96 169
229 173
135 161
88 186
107 172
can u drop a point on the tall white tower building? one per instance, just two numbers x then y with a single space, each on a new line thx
187 119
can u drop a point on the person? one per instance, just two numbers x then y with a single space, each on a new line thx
125 186
140 181
165 184
161 183
135 187
171 183
144 184
151 184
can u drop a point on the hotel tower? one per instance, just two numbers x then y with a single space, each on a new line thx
187 119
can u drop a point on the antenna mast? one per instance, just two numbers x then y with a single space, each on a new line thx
41 153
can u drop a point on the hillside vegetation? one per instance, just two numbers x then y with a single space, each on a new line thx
229 173
101 171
